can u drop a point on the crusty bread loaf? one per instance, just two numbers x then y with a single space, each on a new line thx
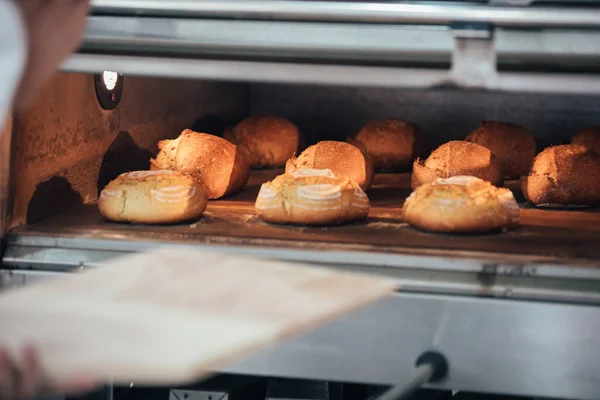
265 140
311 197
458 158
461 204
514 145
343 159
588 137
213 161
152 197
391 144
565 175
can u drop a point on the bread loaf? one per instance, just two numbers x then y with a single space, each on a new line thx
311 197
565 175
264 140
152 197
461 204
514 145
458 158
213 161
588 137
391 144
343 159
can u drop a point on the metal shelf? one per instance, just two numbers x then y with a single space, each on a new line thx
376 12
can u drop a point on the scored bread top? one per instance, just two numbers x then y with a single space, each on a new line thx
163 185
343 159
514 145
461 204
265 140
458 158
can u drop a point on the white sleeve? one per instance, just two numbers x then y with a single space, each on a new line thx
13 53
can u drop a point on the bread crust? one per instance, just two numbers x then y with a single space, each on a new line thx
461 204
512 144
458 158
311 197
265 141
588 137
343 159
391 144
564 175
152 197
213 161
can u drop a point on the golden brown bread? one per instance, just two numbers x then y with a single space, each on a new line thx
391 143
514 145
588 137
461 204
565 175
458 158
265 140
152 197
311 197
343 159
213 161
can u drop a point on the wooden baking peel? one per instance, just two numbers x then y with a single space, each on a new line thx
172 316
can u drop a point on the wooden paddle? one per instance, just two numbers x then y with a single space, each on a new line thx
173 316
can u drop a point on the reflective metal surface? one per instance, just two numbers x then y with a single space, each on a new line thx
389 12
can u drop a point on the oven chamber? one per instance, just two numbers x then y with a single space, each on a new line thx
515 313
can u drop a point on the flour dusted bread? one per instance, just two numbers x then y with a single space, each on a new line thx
588 137
461 204
343 159
514 145
458 158
311 197
565 175
213 161
152 197
391 143
264 140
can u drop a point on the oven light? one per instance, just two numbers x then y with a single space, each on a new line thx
109 89
110 79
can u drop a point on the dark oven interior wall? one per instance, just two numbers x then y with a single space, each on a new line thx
337 112
66 148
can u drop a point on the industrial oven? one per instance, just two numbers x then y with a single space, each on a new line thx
514 312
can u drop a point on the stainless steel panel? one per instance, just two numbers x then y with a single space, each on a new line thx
322 74
493 346
380 12
339 41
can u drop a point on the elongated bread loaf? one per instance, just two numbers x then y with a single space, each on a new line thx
565 175
265 141
458 158
152 197
343 159
461 204
213 161
514 145
311 197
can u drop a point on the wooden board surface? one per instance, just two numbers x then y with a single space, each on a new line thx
557 236
172 316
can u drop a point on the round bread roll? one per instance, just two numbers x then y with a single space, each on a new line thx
513 145
213 161
391 143
565 175
588 137
458 158
311 197
265 141
461 204
343 159
152 197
